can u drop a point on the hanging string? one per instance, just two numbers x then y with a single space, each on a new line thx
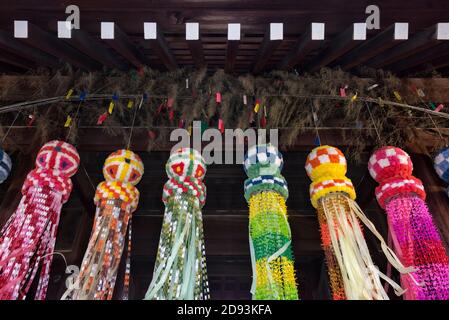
374 123
74 119
314 115
433 122
10 127
132 125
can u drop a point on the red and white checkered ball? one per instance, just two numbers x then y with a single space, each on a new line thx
58 156
388 162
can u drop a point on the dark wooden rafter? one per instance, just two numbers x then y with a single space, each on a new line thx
49 43
163 52
340 45
14 60
267 48
125 47
231 55
368 49
196 49
8 42
91 47
416 43
432 59
301 49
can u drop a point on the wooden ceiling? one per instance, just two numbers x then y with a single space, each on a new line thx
420 54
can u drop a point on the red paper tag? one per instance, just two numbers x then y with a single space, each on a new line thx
221 125
171 115
181 123
439 108
152 134
170 102
343 92
263 122
102 118
218 97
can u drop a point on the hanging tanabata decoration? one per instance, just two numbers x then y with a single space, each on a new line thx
352 273
415 237
28 239
116 199
269 231
180 268
5 165
441 164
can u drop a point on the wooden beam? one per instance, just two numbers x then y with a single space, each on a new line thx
416 43
231 55
7 42
301 49
125 47
267 48
340 45
368 49
196 50
49 43
163 52
12 59
91 47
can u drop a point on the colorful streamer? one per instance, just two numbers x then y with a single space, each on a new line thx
5 165
352 273
269 231
180 268
28 239
441 165
415 237
116 199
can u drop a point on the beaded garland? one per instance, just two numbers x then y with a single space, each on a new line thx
116 199
5 165
180 269
415 237
441 165
27 240
270 236
351 271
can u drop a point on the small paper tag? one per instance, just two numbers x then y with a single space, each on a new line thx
343 92
111 107
439 108
69 94
218 97
397 96
68 122
130 104
245 100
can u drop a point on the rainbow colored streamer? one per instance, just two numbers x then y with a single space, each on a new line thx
352 273
180 268
116 199
415 237
270 236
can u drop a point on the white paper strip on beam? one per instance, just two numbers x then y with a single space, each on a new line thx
359 31
276 31
20 29
64 29
192 31
107 30
443 31
401 31
150 30
234 31
318 31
